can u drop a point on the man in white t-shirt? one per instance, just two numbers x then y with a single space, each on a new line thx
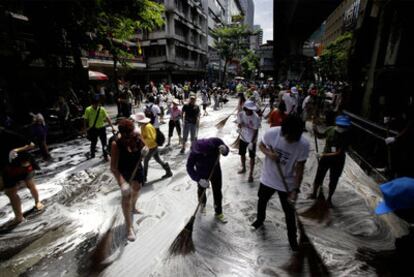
249 124
290 149
155 110
291 100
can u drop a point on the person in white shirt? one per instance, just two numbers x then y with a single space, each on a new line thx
155 110
249 124
291 100
284 145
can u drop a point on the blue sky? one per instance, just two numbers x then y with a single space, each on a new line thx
263 16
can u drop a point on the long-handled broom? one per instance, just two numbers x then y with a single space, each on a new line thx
223 122
102 248
183 243
320 208
305 247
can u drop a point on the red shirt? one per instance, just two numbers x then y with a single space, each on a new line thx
276 118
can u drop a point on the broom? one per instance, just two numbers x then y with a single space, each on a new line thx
305 247
183 243
320 208
223 122
102 249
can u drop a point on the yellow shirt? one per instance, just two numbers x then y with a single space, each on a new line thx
90 114
149 134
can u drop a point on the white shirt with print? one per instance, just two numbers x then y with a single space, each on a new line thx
289 154
250 123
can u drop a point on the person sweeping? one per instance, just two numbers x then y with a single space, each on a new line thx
333 156
284 145
201 164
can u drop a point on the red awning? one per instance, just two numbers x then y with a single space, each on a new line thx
97 76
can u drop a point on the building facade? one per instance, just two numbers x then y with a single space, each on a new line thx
257 39
248 10
342 19
265 53
178 50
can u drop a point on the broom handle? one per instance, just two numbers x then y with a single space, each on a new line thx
204 192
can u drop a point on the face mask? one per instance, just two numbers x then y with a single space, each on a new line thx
340 129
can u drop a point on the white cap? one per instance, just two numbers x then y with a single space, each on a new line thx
140 118
250 105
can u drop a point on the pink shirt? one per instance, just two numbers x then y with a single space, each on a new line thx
175 113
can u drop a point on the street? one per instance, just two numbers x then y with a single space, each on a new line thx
82 197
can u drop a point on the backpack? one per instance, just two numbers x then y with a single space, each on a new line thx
148 113
160 139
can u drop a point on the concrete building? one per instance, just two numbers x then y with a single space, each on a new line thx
342 19
265 53
178 50
256 40
248 10
220 12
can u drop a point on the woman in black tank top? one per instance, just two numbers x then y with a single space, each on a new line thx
127 168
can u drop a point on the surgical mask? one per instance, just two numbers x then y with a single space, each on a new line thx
340 129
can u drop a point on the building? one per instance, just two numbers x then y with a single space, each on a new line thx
265 53
342 19
257 39
220 12
248 10
178 50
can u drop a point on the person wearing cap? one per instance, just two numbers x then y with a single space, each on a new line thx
202 163
175 117
291 100
191 118
126 155
333 156
249 123
153 111
94 124
149 135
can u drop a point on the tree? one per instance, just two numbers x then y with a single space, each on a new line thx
333 62
249 63
231 41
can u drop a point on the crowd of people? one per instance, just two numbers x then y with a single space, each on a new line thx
285 107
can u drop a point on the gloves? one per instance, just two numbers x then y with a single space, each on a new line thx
144 151
204 183
389 140
250 146
223 150
12 155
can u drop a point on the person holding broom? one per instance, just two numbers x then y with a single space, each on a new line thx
249 124
333 156
126 155
203 166
284 145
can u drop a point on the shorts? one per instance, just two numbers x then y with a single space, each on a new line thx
12 175
189 128
243 149
205 106
139 175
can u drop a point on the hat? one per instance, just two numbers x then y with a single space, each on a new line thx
398 194
294 90
192 95
250 105
343 121
140 118
176 102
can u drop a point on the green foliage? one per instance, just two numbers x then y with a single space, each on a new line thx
249 63
333 62
62 29
231 42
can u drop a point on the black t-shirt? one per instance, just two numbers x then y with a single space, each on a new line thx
191 113
9 141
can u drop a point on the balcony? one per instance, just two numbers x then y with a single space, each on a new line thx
104 59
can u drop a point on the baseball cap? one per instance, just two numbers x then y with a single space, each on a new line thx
398 195
343 121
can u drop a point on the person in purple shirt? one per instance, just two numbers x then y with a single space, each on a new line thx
202 163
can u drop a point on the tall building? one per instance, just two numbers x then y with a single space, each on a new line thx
342 19
257 39
220 12
178 50
248 10
265 53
